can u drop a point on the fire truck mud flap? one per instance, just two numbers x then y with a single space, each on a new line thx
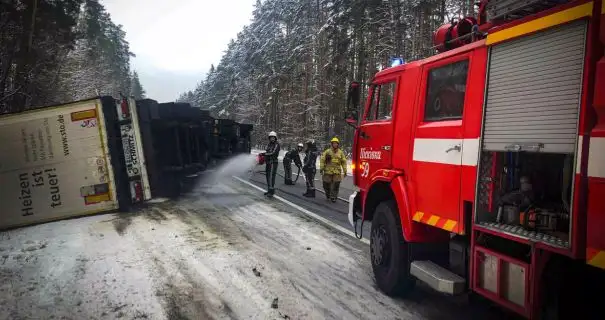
351 215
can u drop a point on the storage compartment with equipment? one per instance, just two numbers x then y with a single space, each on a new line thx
527 194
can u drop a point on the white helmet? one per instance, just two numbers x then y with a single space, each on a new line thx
273 134
300 145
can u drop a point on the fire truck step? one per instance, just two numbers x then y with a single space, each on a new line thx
437 277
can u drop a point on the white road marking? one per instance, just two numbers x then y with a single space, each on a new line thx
307 212
302 175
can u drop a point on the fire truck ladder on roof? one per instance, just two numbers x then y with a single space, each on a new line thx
505 10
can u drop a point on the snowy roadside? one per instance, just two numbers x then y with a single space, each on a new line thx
216 255
222 252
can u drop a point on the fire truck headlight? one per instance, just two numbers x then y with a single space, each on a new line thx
352 167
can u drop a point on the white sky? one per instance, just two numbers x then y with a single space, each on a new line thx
176 40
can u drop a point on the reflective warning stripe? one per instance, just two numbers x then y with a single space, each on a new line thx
595 257
436 221
555 19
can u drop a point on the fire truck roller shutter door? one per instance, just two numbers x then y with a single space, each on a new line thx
534 89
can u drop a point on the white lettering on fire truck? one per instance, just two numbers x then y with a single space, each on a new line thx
370 155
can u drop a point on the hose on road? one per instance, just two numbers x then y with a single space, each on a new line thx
297 175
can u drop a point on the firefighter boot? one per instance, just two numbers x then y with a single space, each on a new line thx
327 186
288 182
310 193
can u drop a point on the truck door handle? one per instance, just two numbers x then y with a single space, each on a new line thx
363 135
454 148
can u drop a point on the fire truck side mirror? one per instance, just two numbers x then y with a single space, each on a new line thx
351 118
353 96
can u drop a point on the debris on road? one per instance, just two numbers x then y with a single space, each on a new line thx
256 272
274 303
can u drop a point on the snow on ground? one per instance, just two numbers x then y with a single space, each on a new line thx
191 259
221 252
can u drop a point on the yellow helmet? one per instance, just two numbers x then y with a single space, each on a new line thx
335 140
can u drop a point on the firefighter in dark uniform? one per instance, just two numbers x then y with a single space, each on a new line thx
309 168
271 162
292 155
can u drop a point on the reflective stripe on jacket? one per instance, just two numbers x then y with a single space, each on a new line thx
337 162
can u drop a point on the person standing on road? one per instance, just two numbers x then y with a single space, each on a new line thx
333 167
309 168
271 162
292 155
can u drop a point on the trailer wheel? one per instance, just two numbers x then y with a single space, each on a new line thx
389 252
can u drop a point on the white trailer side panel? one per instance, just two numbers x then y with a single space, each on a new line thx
54 164
133 149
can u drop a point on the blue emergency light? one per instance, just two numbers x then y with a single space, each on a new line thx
396 61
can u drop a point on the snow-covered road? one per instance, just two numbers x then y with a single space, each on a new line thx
221 252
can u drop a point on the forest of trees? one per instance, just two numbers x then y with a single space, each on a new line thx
57 51
288 70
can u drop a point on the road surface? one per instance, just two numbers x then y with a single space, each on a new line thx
222 251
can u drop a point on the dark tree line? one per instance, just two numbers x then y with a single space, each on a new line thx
289 69
58 51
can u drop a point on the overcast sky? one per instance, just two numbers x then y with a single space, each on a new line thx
176 41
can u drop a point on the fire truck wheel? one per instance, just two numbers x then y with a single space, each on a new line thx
389 251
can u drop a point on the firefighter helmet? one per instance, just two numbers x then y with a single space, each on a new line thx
273 134
300 145
335 140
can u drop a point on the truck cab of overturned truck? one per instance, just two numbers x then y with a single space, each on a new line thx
482 168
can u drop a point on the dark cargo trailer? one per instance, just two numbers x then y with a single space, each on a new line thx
244 142
226 133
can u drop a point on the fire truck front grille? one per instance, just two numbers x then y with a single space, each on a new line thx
526 234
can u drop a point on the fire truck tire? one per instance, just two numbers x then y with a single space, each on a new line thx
389 251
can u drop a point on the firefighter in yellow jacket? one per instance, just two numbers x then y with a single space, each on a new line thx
333 167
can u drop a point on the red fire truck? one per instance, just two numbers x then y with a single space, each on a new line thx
482 168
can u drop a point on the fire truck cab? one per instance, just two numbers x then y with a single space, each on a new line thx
482 168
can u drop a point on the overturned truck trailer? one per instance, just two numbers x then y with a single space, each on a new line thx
180 140
70 160
244 139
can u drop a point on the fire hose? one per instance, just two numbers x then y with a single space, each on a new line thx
260 160
297 175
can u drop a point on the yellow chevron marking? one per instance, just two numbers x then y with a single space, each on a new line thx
449 225
433 220
598 260
418 216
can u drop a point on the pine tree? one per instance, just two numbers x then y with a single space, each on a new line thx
136 89
289 69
